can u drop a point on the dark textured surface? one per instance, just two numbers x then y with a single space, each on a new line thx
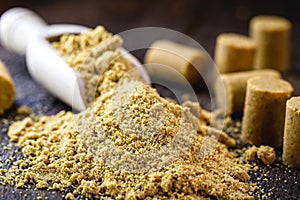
30 94
201 20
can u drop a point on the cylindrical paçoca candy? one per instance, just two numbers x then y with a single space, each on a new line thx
7 89
234 52
264 110
272 36
167 60
291 138
230 89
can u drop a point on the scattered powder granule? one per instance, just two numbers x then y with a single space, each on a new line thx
24 110
265 153
58 186
251 153
131 144
69 196
42 185
195 108
219 134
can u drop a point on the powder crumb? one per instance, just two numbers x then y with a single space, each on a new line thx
42 185
228 120
70 196
194 108
266 154
57 186
255 168
219 134
89 188
250 154
20 185
242 175
24 110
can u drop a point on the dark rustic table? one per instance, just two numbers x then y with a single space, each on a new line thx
201 20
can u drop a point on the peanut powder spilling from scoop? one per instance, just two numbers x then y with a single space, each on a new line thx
131 144
76 48
96 57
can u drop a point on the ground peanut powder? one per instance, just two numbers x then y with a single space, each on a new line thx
130 143
56 156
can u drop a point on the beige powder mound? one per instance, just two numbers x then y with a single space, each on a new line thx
265 153
101 152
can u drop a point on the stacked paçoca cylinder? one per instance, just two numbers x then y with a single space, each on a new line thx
250 84
7 89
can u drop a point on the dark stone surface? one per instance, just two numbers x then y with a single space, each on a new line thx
201 20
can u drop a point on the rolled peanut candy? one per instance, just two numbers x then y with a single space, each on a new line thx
272 36
166 60
264 111
7 89
230 89
234 52
291 138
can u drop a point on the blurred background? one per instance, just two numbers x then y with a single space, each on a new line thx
202 20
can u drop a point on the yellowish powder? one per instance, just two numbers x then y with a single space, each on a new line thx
56 153
130 143
265 153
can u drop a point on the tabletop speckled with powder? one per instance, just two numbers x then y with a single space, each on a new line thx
275 181
42 167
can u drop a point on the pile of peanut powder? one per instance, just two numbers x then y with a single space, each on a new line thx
129 144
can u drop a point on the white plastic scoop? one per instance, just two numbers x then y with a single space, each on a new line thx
24 32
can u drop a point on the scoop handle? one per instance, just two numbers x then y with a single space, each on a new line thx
17 27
